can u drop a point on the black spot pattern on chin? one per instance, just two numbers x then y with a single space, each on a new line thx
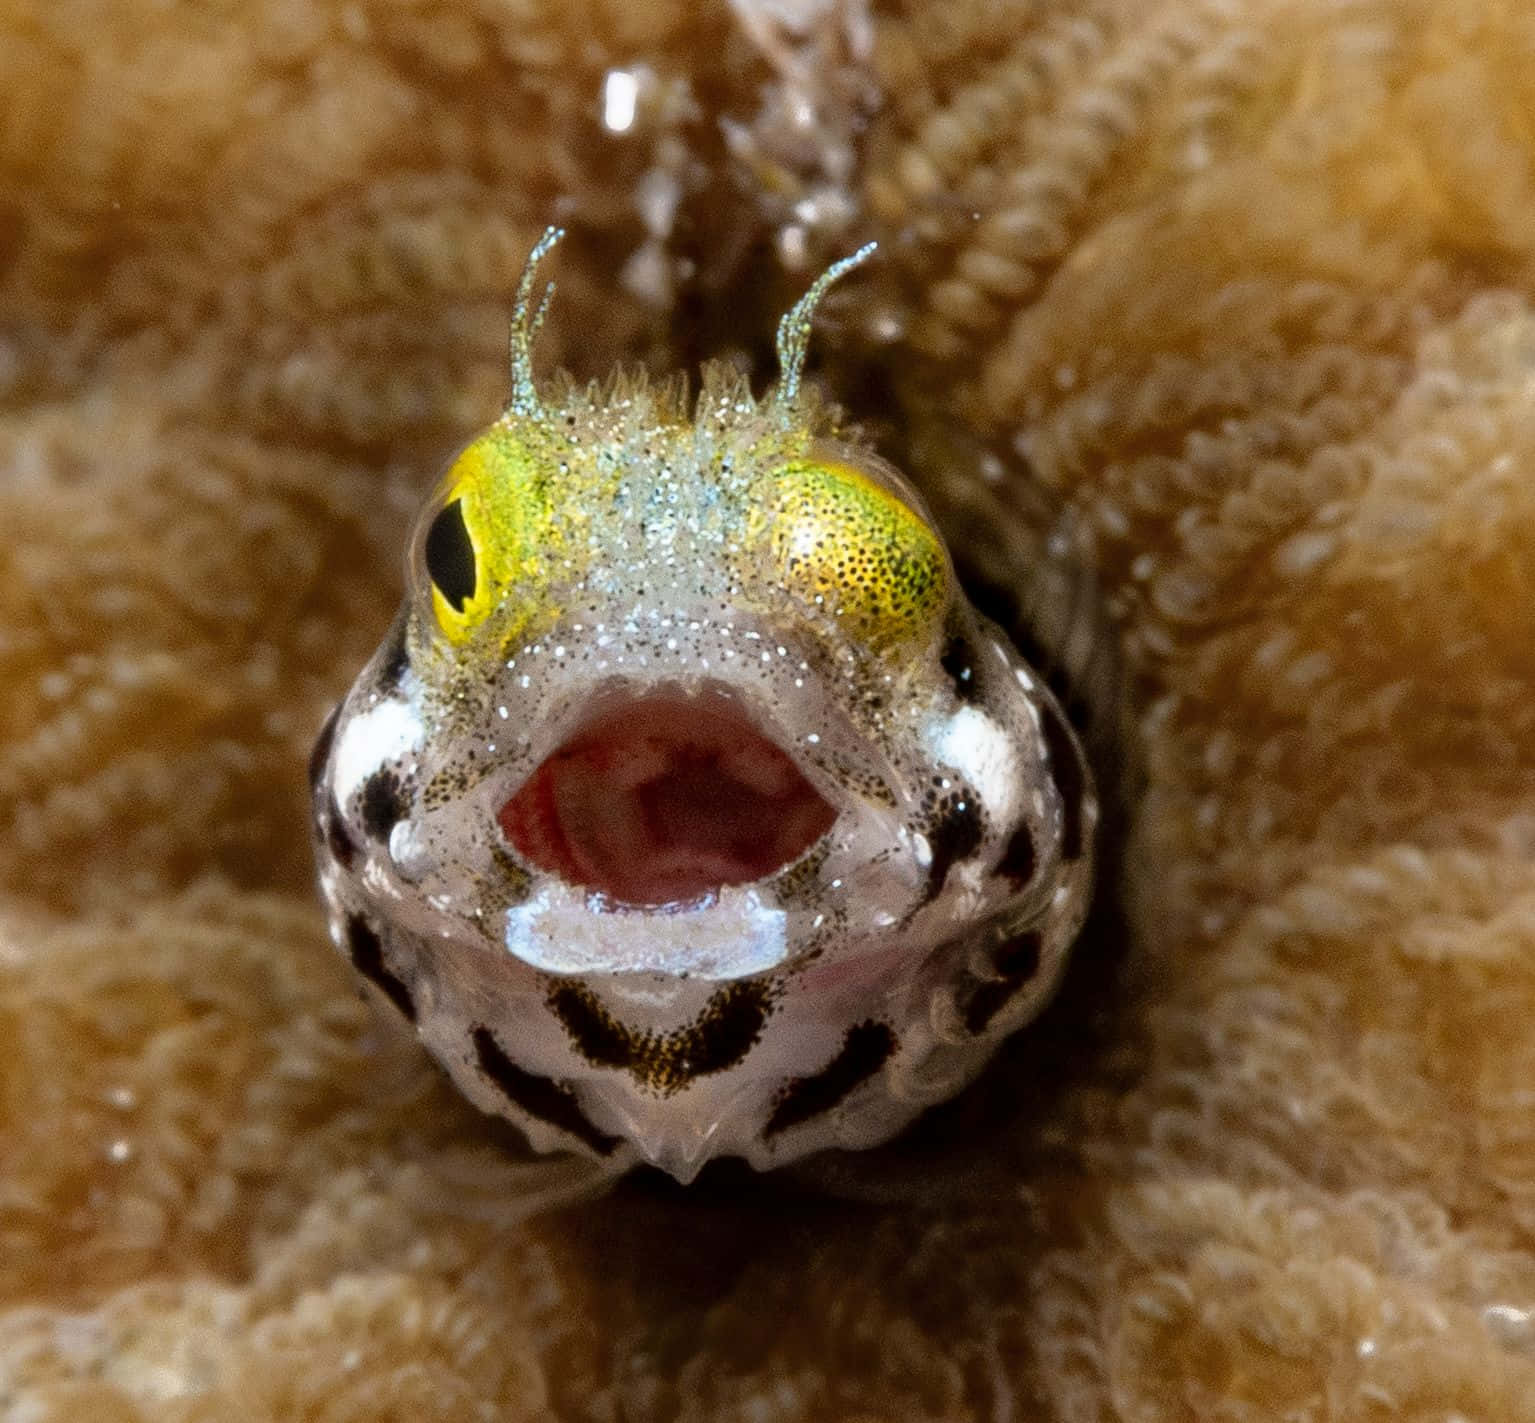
956 833
539 1097
717 1040
1066 772
383 802
367 954
958 663
320 753
1016 962
865 1049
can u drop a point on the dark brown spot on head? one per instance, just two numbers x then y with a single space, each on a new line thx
865 1049
800 883
540 1098
367 954
958 663
957 832
383 802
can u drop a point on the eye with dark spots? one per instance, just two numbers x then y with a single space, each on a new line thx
449 554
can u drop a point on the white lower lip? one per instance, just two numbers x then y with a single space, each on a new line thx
563 929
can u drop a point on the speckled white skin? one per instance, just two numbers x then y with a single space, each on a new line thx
824 1005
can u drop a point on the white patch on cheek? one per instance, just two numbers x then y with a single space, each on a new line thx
980 750
384 732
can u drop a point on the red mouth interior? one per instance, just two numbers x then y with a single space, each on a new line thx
663 799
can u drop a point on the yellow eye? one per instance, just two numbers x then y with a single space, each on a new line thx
485 550
858 552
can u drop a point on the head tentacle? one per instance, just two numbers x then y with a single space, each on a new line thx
794 330
527 319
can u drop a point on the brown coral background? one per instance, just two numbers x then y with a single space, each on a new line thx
1246 282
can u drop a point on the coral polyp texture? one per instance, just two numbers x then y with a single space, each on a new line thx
1241 293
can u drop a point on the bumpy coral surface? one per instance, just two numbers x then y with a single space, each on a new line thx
1248 283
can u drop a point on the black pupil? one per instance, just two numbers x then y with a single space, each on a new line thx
450 556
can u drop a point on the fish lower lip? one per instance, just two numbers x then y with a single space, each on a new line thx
665 797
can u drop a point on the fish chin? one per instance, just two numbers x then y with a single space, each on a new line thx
564 929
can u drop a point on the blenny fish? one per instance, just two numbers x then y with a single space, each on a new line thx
690 809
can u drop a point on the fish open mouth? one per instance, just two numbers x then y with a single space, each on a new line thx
664 798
